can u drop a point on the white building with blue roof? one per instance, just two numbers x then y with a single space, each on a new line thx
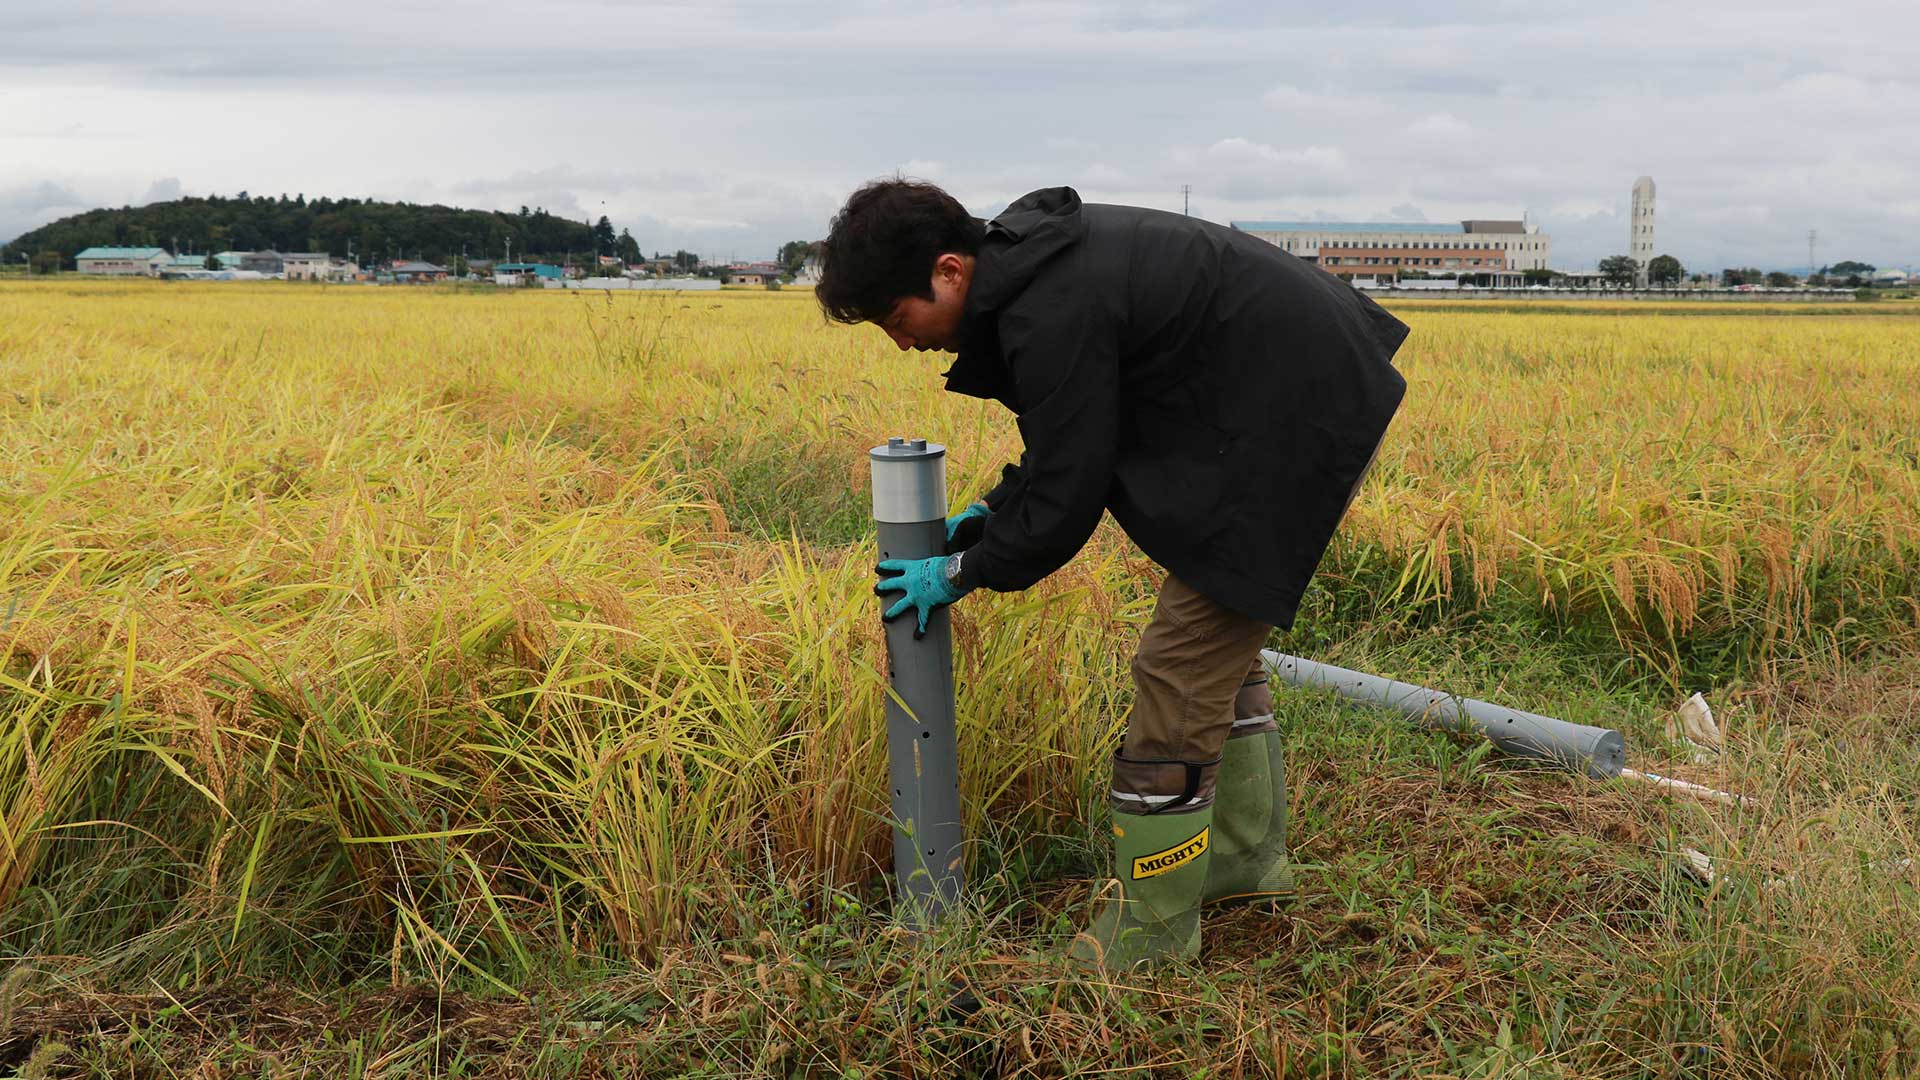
123 260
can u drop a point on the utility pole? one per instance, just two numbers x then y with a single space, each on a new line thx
1812 266
1185 191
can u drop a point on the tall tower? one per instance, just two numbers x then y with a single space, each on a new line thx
1640 230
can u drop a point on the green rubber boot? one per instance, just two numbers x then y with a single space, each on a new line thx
1249 863
1161 861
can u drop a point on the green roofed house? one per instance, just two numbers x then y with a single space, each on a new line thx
525 273
123 260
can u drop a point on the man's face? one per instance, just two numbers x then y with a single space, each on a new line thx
933 325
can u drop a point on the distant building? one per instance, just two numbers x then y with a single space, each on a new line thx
1640 229
305 265
757 273
1586 279
521 273
407 273
123 261
185 266
258 262
1499 251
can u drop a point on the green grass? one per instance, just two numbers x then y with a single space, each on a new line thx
1459 914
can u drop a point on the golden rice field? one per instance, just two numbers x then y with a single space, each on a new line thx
483 640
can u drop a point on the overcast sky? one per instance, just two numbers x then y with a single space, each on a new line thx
730 127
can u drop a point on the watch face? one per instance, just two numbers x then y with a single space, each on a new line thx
953 565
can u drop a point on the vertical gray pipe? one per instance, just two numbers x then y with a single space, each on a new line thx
910 510
1598 752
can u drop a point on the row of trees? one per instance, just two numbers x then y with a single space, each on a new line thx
795 253
366 230
1846 272
1753 275
371 231
1662 270
1665 270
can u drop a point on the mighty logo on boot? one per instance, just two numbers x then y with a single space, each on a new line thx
1173 858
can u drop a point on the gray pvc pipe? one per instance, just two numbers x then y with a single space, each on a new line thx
1598 752
923 760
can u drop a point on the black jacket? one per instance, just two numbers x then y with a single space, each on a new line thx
1221 397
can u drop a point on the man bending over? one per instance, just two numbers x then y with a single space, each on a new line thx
1222 399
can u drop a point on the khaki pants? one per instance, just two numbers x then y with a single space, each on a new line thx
1197 681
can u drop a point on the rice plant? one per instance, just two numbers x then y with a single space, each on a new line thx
444 633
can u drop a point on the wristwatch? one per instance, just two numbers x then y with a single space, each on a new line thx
953 569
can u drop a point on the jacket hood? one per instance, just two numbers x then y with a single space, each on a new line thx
1026 236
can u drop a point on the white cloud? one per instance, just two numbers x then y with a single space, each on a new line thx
1100 174
1834 91
165 189
745 122
1238 168
1437 127
707 225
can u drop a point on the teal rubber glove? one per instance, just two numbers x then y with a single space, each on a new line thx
924 581
977 510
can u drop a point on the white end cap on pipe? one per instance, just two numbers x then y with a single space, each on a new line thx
909 481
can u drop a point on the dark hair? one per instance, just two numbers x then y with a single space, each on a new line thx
882 244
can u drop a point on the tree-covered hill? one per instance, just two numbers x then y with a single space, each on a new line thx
376 230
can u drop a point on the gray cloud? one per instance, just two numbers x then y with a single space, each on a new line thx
165 189
731 126
28 205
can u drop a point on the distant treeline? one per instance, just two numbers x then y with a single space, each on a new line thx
376 230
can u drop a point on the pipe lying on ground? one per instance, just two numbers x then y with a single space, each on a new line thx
1597 752
910 511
